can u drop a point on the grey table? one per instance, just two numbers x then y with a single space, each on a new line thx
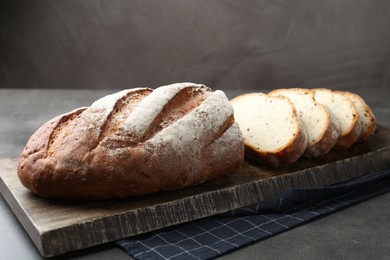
358 232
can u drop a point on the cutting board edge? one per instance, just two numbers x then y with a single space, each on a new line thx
31 229
251 189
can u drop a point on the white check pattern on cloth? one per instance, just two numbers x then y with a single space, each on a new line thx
211 237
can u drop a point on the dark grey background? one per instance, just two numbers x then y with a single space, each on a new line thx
231 45
225 44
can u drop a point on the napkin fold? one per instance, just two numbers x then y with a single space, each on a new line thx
214 236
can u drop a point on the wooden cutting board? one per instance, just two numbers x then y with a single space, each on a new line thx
57 226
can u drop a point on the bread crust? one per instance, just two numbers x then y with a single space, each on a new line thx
134 142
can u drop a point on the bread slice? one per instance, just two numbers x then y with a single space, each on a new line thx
345 112
366 116
321 127
271 128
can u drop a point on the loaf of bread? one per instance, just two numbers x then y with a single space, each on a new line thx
345 113
321 126
134 142
273 133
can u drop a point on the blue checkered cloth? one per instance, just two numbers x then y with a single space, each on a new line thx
211 237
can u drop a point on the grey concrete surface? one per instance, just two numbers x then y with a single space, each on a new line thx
358 232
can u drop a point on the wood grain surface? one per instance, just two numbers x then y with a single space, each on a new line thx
59 226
